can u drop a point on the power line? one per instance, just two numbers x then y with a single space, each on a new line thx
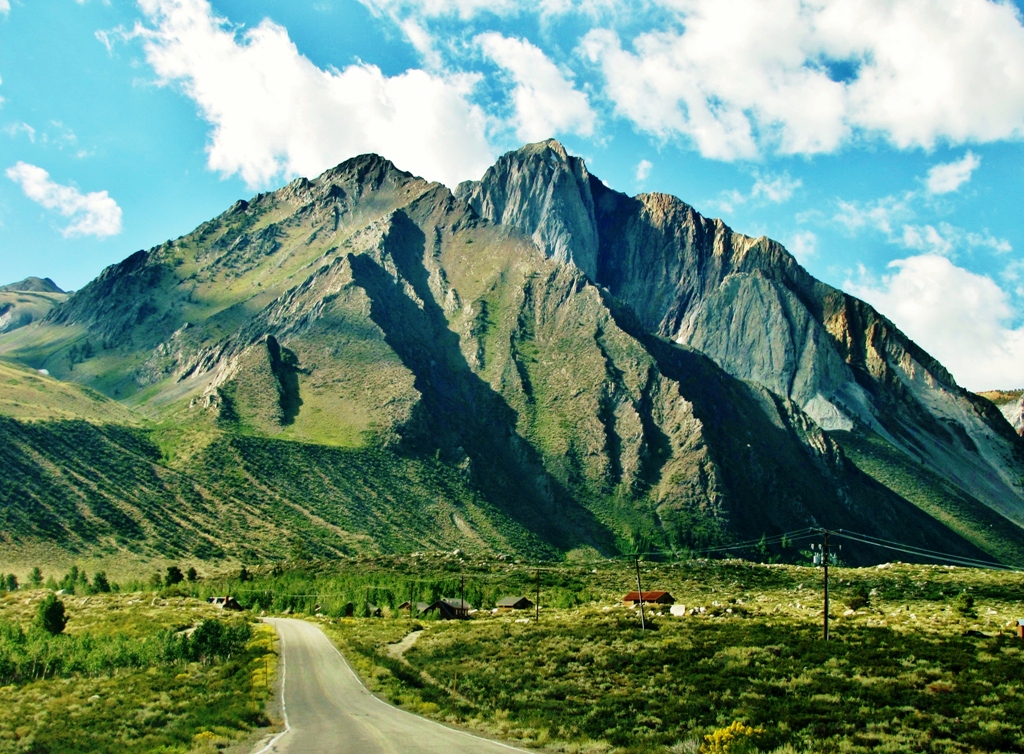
924 553
922 550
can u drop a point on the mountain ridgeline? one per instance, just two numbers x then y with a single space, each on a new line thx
533 363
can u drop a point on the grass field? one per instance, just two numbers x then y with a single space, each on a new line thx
116 679
921 658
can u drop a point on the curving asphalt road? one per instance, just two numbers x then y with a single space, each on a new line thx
327 709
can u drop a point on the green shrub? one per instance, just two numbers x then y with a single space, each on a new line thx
100 583
174 576
860 599
51 617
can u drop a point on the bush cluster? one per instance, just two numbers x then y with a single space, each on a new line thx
40 652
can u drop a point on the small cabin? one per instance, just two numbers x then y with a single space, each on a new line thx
373 611
224 603
649 598
1020 627
514 603
450 609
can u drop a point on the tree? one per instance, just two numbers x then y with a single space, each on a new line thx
100 582
51 617
11 582
174 576
243 575
36 578
191 574
156 581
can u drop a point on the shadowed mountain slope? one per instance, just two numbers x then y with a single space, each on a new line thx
748 305
365 360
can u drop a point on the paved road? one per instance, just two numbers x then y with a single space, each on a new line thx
327 709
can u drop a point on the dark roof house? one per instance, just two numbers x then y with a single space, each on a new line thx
514 603
655 598
450 609
225 603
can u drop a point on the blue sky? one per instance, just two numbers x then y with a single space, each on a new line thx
880 141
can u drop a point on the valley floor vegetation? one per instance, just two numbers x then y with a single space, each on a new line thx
96 670
921 658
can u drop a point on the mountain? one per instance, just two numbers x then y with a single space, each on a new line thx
747 304
372 362
27 301
33 284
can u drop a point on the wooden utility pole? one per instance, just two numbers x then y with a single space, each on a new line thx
824 560
536 604
465 613
640 594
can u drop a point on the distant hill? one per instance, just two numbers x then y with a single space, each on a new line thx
27 301
533 363
33 284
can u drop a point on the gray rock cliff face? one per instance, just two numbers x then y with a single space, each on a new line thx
1014 414
544 192
748 304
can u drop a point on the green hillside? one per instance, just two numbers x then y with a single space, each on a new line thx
361 363
31 396
97 491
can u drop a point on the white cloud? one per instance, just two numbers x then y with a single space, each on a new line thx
803 246
961 318
14 129
5 6
274 112
464 9
774 188
739 78
880 214
643 169
893 216
768 188
545 100
949 176
927 238
92 214
946 239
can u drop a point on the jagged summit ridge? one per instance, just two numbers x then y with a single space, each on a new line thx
545 192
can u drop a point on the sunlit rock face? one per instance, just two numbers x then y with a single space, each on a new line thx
749 305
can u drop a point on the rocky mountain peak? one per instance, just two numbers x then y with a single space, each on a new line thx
546 193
